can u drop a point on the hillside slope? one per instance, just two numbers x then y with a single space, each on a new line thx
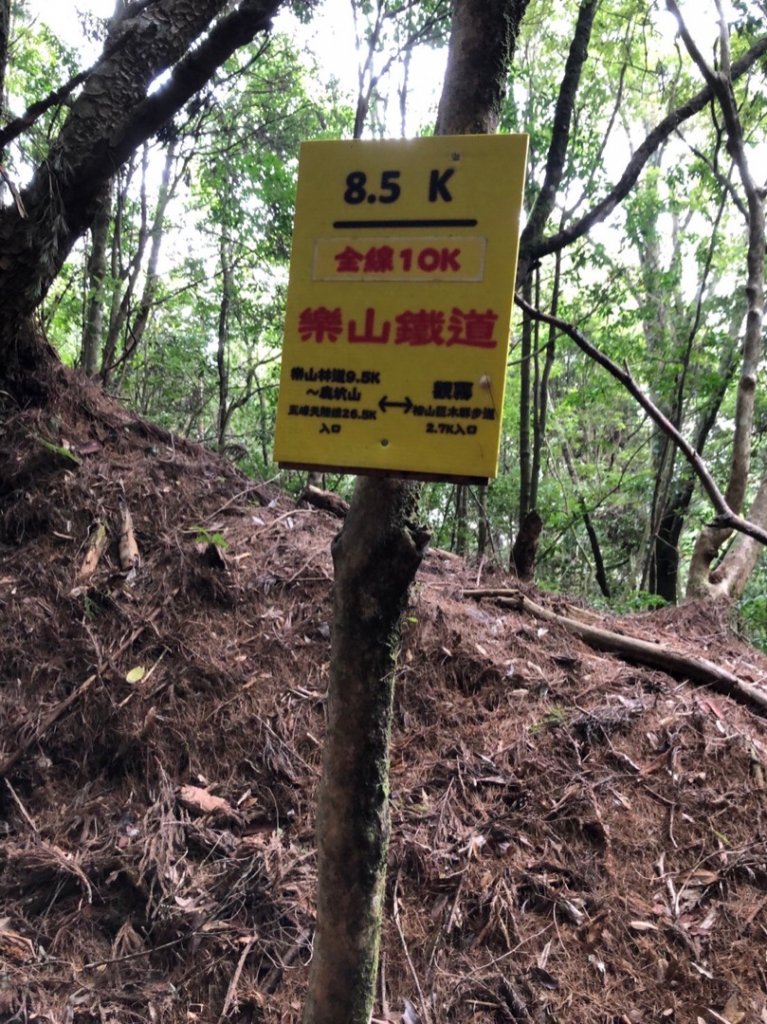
574 839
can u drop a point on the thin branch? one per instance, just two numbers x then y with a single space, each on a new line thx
726 518
722 180
560 129
636 165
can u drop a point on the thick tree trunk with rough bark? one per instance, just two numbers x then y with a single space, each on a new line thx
113 114
482 38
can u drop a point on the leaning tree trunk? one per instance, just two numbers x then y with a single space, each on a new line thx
114 114
376 557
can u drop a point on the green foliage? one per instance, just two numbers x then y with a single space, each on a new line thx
658 287
217 539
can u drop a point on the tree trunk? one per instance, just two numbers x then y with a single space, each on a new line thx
483 522
375 556
151 279
222 348
731 576
541 410
97 268
5 30
701 583
599 564
113 115
525 549
461 525
524 408
482 40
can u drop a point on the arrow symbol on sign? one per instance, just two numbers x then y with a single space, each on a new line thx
385 404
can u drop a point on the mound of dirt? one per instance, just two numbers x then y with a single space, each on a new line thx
575 839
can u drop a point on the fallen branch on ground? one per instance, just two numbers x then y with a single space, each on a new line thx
326 500
642 652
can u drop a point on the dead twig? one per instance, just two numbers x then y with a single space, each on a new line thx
22 809
50 719
231 992
398 925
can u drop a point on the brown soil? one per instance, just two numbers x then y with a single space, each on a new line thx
575 840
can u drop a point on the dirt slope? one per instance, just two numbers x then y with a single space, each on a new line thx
575 839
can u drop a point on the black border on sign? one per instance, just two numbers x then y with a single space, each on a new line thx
399 474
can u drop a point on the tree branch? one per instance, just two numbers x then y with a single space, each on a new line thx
726 518
560 129
107 123
635 166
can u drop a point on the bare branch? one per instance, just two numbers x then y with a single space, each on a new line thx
636 165
726 518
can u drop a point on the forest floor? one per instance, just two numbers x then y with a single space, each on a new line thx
575 839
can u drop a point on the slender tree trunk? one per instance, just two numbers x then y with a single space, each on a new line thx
599 564
701 583
524 407
152 277
5 30
375 557
461 526
129 273
483 522
97 268
540 419
222 348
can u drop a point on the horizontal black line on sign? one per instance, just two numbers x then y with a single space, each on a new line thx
470 222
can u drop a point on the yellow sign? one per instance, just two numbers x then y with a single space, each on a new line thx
399 305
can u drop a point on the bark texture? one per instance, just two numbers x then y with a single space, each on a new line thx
376 556
482 40
111 117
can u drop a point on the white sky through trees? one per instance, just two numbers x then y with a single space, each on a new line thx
329 36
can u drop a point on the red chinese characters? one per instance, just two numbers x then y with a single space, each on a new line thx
471 328
320 323
385 259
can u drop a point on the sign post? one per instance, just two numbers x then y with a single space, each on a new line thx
399 306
